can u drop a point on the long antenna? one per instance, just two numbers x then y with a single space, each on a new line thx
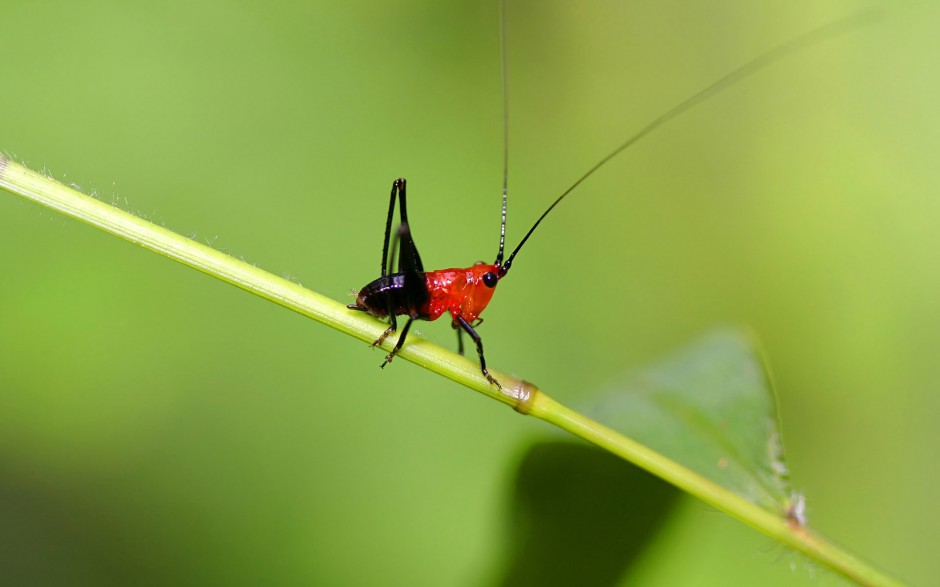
824 32
504 84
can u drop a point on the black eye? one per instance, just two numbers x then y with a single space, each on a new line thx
490 279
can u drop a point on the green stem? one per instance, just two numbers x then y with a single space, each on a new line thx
519 394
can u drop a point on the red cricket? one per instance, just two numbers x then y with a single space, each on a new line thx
422 295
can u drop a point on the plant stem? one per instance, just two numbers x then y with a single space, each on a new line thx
787 531
522 396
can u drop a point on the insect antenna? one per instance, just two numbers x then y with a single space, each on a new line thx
504 85
817 35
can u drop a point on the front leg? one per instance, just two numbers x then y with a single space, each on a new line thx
479 342
456 327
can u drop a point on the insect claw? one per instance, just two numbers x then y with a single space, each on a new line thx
381 339
492 380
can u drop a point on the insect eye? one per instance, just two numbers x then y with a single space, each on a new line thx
490 279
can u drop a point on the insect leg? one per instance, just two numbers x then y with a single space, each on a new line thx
456 327
388 223
389 302
392 328
413 286
398 345
402 229
409 261
476 338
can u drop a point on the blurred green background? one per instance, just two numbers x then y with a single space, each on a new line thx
160 427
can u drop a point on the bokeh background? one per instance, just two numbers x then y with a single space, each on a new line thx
160 427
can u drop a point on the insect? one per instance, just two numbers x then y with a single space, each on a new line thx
464 293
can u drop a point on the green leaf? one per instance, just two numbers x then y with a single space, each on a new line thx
710 407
